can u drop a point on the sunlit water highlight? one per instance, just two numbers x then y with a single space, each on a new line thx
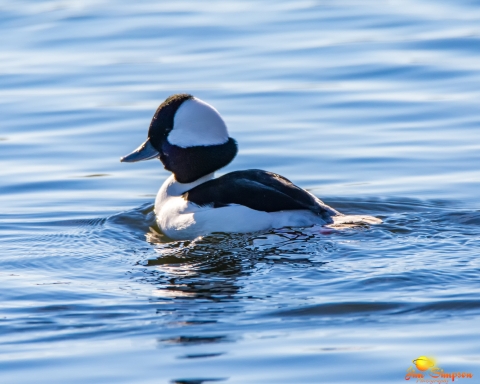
372 106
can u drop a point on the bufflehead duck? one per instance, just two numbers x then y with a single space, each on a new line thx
191 140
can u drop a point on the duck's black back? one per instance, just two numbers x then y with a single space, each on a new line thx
256 189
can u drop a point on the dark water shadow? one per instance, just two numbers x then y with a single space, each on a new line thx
198 380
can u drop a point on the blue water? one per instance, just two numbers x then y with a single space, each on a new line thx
371 105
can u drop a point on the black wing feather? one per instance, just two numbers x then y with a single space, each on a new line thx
256 189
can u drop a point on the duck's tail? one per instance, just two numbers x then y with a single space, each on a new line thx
353 220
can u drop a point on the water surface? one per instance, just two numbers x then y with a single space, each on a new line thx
372 106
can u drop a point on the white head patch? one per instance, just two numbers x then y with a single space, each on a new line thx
197 123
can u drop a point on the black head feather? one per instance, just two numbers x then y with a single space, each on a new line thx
163 119
191 163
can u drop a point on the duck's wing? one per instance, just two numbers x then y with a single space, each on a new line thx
259 190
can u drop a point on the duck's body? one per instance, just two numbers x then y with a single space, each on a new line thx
242 201
192 141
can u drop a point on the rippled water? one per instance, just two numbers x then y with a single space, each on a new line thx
372 106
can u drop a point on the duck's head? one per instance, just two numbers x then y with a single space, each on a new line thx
189 137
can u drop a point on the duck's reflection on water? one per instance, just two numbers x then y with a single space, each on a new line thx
204 284
211 267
